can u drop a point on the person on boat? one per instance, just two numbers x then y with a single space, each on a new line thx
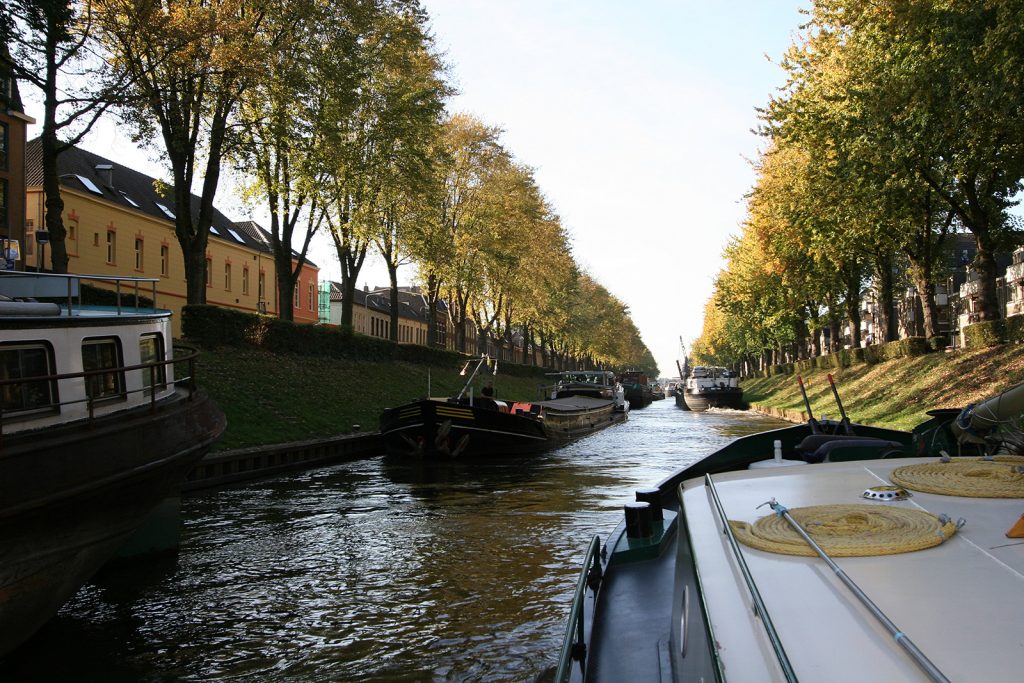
488 390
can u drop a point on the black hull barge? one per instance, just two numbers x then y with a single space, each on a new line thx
95 431
443 428
481 427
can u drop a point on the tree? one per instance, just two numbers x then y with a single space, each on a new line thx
288 123
446 245
923 88
188 63
53 47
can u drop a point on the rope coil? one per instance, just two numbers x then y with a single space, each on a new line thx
848 530
996 478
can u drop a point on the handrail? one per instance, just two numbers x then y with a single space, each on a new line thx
573 646
759 608
190 358
79 277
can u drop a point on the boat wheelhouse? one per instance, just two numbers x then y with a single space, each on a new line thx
712 387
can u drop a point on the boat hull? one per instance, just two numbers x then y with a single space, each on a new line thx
439 429
717 398
650 575
639 396
71 495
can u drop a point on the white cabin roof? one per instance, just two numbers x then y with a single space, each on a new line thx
961 603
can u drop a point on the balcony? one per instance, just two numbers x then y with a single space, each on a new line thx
971 288
1015 272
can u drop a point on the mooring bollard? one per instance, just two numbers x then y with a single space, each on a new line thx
638 520
653 498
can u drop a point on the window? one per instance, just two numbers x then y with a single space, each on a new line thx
111 247
71 241
27 360
245 281
209 272
167 212
89 185
5 141
151 350
165 261
298 300
311 301
3 202
227 277
238 238
103 353
138 254
262 287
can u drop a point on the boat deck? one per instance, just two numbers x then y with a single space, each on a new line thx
961 602
575 404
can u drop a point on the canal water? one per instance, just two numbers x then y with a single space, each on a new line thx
372 570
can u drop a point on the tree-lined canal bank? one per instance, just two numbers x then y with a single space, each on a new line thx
373 570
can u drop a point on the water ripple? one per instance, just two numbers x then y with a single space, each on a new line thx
373 571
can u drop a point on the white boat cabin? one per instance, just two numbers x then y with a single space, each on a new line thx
62 361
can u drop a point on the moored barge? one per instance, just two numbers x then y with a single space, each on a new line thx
95 431
469 427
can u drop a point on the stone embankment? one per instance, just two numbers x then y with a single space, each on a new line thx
241 464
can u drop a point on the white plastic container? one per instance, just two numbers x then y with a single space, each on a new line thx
777 461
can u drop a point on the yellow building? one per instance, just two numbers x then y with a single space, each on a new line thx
119 224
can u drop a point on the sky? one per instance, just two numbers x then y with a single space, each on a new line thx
637 118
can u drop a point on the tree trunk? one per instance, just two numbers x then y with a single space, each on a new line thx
884 277
50 145
393 281
285 287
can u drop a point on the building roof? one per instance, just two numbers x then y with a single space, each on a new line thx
412 303
135 191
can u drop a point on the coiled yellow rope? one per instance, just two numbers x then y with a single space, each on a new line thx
968 478
847 530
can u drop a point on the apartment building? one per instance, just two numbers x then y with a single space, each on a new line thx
120 222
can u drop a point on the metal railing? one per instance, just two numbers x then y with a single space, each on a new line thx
157 374
759 609
574 646
49 286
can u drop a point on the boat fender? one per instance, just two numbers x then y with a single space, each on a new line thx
638 520
652 497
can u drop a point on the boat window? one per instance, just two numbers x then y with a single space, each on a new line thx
100 354
25 361
151 350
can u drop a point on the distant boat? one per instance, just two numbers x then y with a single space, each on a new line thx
637 388
712 387
95 431
473 427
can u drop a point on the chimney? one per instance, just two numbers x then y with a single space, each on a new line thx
106 171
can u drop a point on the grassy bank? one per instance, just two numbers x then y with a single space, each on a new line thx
270 398
897 393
